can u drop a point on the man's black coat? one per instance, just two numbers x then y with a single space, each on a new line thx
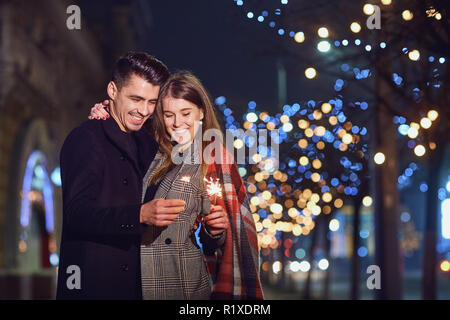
102 169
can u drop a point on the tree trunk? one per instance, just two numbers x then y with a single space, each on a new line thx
429 268
387 255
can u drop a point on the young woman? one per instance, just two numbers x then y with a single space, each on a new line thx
172 264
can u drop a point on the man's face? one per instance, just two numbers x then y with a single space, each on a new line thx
134 103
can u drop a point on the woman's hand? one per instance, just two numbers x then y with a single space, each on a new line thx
217 221
99 111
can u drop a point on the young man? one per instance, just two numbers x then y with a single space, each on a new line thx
102 168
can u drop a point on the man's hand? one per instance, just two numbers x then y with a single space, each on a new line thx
161 212
217 221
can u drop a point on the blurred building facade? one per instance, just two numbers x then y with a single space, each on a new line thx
49 78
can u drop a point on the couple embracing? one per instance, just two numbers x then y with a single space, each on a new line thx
130 213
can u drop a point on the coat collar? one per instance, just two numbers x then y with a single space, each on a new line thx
146 145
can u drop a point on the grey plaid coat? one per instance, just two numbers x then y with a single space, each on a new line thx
172 263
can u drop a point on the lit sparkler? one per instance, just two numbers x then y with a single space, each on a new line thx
213 188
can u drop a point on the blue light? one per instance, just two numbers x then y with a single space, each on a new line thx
227 112
281 32
260 18
363 131
364 234
383 45
345 67
357 42
56 177
239 2
334 182
362 252
292 34
300 253
423 187
408 172
341 117
252 104
272 24
442 194
337 43
364 105
403 129
262 213
411 144
292 163
431 58
397 79
405 216
220 100
54 259
47 190
265 13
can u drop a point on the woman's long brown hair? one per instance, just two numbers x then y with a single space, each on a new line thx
181 85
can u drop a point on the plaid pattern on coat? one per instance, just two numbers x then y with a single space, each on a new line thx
172 264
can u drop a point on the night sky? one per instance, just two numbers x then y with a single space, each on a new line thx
211 39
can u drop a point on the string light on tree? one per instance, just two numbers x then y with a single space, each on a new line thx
419 150
432 115
323 32
299 37
310 73
414 55
407 15
323 46
379 158
355 27
368 9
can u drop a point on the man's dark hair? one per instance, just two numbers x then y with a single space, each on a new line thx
142 65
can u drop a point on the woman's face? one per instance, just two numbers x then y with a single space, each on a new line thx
181 119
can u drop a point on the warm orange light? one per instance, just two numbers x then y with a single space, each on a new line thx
445 266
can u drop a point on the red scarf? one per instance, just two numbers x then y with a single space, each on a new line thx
235 270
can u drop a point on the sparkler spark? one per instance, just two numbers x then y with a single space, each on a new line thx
213 188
